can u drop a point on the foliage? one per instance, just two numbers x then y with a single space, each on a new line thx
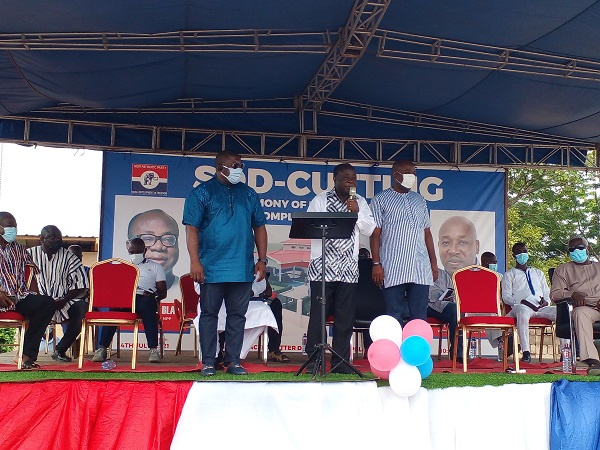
547 207
7 336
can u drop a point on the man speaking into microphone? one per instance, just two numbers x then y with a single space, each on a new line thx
341 265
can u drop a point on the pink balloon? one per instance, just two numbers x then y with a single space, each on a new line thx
380 374
383 355
418 327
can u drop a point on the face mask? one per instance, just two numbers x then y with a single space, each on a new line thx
136 258
577 255
10 234
408 180
234 175
522 258
493 267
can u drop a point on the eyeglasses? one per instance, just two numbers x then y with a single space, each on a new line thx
578 247
168 240
236 165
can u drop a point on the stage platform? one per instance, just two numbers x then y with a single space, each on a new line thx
87 414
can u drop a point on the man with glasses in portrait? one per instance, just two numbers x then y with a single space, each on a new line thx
160 234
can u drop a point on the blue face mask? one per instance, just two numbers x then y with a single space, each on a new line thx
578 256
10 234
522 258
493 267
235 175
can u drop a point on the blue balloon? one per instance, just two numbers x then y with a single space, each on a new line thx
426 368
415 350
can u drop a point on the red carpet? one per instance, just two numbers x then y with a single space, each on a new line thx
488 365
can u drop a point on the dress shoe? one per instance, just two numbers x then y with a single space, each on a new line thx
526 357
60 356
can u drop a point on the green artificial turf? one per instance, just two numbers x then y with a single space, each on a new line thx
434 381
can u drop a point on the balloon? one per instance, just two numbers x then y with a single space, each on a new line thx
386 327
418 327
426 368
415 350
381 374
383 354
405 380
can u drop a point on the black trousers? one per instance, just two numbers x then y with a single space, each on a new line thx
76 313
342 304
236 297
39 310
146 307
274 336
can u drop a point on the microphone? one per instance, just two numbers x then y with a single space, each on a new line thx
352 195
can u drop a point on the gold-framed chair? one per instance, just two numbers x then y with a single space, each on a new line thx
478 307
113 283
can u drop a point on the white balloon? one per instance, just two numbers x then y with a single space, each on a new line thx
405 380
386 327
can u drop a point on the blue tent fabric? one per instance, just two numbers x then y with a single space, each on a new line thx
575 415
38 82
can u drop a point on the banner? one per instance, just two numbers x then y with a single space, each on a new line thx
145 194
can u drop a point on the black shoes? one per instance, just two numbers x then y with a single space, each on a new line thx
60 356
526 357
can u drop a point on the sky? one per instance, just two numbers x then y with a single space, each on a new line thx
51 186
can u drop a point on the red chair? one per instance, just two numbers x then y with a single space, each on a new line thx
12 319
539 323
187 310
478 307
441 326
112 285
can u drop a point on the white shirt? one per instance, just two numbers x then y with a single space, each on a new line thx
150 274
515 286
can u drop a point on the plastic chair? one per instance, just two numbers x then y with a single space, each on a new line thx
113 283
477 296
186 310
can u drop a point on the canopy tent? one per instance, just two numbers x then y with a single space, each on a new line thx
473 82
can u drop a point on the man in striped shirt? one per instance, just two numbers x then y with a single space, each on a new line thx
404 260
341 269
62 277
16 295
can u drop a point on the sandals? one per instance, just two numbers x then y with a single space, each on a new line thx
30 365
278 357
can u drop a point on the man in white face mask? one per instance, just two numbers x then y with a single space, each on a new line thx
404 261
151 289
223 221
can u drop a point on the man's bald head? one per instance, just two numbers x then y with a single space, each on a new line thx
458 245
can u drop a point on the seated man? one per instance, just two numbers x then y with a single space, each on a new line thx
16 295
526 291
262 291
62 277
579 280
151 289
442 307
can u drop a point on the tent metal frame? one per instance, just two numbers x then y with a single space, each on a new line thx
190 141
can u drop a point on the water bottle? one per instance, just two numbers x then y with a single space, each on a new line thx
566 359
304 339
109 364
473 348
500 349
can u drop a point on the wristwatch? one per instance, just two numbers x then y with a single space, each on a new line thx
265 260
376 263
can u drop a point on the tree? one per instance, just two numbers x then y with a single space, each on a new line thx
547 207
